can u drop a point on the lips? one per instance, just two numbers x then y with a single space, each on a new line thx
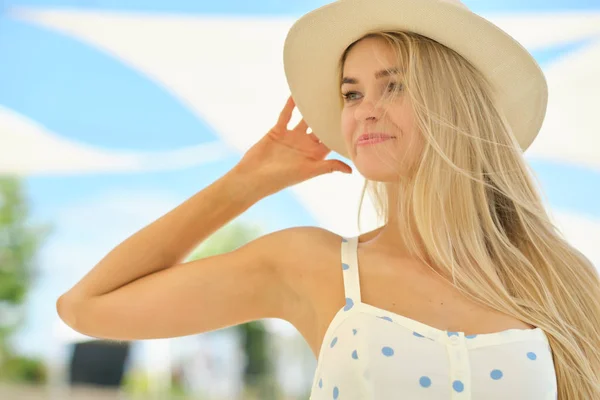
374 137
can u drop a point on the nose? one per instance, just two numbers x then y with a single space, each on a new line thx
367 110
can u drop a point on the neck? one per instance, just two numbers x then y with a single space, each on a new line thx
400 228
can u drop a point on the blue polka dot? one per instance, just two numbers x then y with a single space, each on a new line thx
531 355
452 334
470 336
336 392
458 386
425 381
320 383
387 351
355 355
354 331
386 318
417 334
345 266
344 240
349 304
496 374
333 342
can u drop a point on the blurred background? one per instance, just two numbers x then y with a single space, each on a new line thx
114 112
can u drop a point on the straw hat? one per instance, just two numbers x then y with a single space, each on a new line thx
315 43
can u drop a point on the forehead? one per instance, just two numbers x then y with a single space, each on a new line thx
368 54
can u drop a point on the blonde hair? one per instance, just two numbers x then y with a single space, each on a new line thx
485 226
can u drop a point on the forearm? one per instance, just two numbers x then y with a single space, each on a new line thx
168 240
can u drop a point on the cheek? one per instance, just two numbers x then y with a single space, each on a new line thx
411 141
400 115
403 120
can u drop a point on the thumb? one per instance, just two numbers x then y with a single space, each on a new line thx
329 166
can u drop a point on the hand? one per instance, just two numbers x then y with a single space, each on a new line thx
286 157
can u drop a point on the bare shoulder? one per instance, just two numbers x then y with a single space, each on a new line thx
303 250
302 241
309 271
301 255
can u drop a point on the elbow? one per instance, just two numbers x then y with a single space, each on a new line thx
67 310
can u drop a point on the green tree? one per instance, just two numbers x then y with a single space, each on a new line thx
258 372
19 244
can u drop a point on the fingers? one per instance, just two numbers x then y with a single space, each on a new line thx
314 138
330 166
343 167
302 126
286 113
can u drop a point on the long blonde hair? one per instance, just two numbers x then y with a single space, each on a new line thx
485 225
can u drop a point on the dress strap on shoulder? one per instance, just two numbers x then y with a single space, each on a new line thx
350 269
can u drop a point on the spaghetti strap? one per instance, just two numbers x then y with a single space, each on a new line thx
350 271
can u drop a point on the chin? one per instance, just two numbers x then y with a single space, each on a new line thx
378 173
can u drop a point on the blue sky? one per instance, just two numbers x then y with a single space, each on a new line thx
86 95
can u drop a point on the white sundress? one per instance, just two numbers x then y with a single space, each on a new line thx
370 353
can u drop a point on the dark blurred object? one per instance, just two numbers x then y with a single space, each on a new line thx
98 363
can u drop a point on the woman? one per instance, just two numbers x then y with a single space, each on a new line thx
465 292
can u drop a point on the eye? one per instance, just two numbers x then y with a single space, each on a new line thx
349 96
394 86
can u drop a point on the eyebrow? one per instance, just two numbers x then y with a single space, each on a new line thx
379 74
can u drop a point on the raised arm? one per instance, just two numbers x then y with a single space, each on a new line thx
142 290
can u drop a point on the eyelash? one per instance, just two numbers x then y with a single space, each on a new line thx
346 95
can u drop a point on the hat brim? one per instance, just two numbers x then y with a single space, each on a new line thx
315 43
